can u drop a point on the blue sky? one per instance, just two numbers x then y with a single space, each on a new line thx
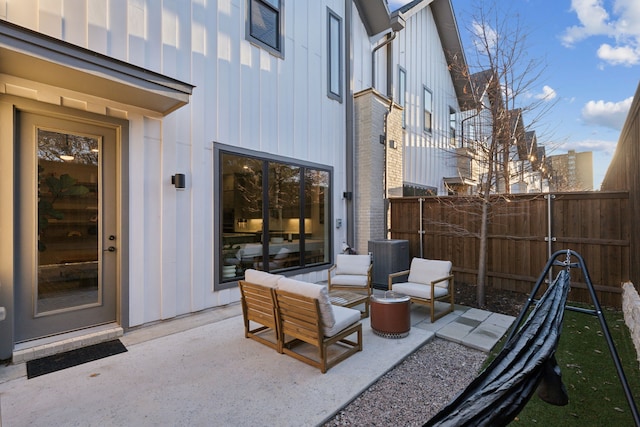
591 50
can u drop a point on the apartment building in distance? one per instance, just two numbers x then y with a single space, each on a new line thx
572 171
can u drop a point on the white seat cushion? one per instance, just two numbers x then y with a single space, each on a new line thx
349 280
419 290
352 264
345 317
312 290
427 270
262 278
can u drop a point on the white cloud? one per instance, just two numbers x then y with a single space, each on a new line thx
547 94
623 55
621 24
593 19
594 145
608 114
484 37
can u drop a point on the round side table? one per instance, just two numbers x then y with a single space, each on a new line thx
390 315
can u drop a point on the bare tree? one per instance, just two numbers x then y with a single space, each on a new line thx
505 96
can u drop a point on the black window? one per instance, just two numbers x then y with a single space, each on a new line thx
264 24
334 55
427 99
274 214
453 124
402 89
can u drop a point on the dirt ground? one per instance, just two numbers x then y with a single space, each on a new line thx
497 300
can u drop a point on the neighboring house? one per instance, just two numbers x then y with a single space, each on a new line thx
431 84
519 163
528 166
153 151
475 138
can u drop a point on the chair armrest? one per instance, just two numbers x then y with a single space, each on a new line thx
449 288
396 274
333 267
433 282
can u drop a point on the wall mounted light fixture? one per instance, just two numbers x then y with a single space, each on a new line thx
178 180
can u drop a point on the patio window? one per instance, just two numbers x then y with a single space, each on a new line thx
265 25
274 215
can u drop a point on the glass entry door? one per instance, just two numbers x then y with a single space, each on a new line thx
68 223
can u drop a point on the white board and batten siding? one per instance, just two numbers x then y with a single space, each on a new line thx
428 156
243 97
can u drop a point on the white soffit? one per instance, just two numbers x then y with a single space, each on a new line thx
34 56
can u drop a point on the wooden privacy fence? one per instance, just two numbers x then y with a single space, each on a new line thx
523 231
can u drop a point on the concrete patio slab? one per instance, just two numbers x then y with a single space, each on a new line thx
476 314
455 331
484 337
200 370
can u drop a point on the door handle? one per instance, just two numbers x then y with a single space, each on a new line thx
110 249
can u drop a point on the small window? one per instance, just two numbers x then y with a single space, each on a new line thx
402 89
428 105
453 124
264 24
334 55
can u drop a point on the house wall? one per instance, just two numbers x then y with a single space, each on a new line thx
361 60
243 97
379 165
428 156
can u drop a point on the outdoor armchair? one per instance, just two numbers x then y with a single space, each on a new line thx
307 317
352 273
429 281
258 300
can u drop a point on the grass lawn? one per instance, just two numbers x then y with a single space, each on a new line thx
596 396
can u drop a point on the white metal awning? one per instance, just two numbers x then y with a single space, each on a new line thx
34 56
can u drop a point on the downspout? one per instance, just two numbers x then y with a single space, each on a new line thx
385 180
373 57
386 115
349 143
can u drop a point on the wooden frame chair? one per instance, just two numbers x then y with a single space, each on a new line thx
429 281
352 273
258 302
303 319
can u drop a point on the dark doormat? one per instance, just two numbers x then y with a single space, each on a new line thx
56 362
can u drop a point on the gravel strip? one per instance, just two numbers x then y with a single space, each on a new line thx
416 389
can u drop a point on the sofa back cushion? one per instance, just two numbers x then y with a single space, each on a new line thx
311 290
262 278
352 264
427 270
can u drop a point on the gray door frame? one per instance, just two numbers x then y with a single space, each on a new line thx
9 222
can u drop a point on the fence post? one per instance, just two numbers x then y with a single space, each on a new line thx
550 238
421 231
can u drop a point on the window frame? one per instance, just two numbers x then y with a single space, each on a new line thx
219 150
427 125
402 93
278 10
332 69
453 126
